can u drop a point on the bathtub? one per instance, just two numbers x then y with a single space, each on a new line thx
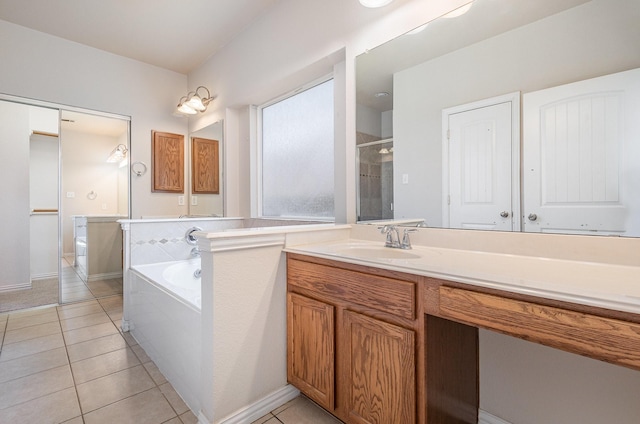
165 319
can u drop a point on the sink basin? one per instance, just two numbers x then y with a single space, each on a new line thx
375 252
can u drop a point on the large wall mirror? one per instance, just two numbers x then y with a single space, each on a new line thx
66 179
516 115
206 173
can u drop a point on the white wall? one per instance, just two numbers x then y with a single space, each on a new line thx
294 43
43 194
526 383
14 215
560 49
85 170
39 66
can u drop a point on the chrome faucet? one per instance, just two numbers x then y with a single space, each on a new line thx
195 252
393 237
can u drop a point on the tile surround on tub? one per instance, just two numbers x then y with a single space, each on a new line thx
162 240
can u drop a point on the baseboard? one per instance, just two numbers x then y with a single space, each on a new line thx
46 276
14 287
486 418
258 409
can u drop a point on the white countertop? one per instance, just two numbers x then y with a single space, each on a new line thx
602 285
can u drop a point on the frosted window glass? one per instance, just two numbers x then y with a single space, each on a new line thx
297 155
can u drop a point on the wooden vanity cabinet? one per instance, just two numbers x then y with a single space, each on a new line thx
311 348
353 340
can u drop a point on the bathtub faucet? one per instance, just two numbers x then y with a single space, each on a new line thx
195 252
197 273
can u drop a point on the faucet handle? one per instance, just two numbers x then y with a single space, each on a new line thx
406 241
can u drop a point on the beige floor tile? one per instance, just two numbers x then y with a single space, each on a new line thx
269 418
105 364
31 346
76 297
155 373
148 407
16 322
53 408
189 418
78 305
91 308
34 386
95 347
89 333
140 353
77 420
174 398
303 411
32 332
115 314
111 303
30 312
84 321
32 364
175 420
131 341
113 387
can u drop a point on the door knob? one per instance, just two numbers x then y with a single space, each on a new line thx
504 214
532 217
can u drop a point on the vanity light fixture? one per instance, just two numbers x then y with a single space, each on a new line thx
195 101
118 154
375 3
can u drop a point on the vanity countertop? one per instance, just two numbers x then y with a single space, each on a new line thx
602 285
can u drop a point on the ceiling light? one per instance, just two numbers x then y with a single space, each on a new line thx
383 151
459 11
118 154
195 101
375 3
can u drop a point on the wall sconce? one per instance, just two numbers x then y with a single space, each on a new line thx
118 154
193 102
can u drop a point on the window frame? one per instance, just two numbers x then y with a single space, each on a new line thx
257 157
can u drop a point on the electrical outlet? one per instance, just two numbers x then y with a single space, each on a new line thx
180 200
71 194
104 206
194 200
405 178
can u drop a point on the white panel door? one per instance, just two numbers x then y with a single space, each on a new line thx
480 165
581 156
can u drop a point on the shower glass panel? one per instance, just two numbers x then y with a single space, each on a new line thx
375 180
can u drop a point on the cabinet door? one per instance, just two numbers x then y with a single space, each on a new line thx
310 348
379 360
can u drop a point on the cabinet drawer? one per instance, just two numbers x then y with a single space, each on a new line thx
384 294
606 339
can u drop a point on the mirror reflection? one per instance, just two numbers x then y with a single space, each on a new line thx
516 115
206 188
94 196
63 194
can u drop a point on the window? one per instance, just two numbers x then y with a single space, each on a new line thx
297 155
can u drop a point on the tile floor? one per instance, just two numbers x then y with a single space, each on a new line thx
73 289
71 364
